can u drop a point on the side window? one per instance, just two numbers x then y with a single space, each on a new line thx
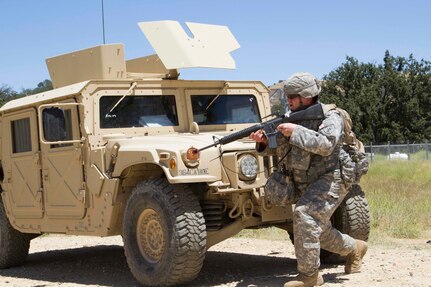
21 136
57 126
68 130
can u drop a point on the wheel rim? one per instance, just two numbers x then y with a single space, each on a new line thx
150 235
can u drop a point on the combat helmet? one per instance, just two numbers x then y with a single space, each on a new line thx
303 84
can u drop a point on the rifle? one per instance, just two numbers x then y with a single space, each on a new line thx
314 112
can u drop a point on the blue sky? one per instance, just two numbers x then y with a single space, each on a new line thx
277 38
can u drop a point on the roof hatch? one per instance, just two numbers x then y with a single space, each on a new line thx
210 47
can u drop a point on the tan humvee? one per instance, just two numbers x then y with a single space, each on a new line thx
111 151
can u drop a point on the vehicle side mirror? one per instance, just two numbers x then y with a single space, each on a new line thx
54 124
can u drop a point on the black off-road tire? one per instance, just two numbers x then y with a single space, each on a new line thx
164 234
352 217
14 245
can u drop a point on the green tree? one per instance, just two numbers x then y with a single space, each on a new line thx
407 86
44 86
387 102
354 87
6 94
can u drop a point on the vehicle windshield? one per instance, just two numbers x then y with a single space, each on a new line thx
226 109
138 111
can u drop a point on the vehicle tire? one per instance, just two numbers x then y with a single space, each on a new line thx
352 217
14 245
164 233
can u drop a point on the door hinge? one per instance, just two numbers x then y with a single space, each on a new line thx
39 195
82 194
45 175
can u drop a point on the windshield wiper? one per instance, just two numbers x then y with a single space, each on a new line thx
133 86
226 85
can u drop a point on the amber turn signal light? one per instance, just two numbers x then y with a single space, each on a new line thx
172 163
192 154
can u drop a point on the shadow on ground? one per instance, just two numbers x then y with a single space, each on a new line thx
105 265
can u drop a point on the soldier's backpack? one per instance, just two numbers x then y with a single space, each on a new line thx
353 158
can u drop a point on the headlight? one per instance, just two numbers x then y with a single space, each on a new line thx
248 167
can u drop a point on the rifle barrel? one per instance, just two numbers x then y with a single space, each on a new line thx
243 133
313 112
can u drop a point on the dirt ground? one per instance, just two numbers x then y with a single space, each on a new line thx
91 261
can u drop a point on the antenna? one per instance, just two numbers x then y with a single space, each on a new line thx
103 23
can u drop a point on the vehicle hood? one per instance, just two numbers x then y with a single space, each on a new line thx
179 142
161 149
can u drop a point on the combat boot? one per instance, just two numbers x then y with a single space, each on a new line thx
302 280
354 259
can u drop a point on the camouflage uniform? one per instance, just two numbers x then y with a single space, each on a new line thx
313 161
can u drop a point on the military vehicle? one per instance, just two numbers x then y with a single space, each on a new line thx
112 151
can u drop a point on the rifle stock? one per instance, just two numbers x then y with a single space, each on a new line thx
313 112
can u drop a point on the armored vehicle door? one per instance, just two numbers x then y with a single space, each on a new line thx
62 168
21 164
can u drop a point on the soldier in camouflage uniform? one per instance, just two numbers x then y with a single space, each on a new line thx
310 153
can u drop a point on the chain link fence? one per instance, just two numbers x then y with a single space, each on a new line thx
398 151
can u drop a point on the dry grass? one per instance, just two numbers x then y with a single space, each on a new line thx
399 195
